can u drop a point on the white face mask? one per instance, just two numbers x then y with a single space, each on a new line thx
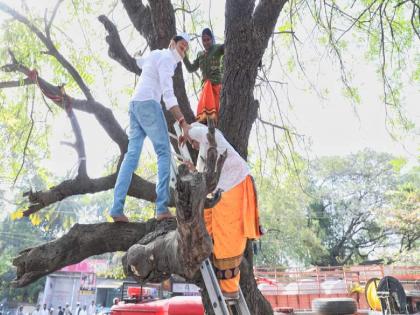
176 54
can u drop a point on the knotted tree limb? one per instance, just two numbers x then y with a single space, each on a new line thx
82 241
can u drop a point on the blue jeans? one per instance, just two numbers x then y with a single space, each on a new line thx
146 119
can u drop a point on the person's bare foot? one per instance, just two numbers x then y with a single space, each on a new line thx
120 218
163 216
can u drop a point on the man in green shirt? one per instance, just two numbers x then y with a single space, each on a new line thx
209 62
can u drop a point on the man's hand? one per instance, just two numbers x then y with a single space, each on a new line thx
185 129
190 165
176 112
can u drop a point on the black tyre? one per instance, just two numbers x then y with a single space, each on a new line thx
334 306
397 301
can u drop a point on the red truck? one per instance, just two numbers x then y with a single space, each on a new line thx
178 305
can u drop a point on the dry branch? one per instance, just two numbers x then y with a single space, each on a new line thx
17 83
116 50
103 114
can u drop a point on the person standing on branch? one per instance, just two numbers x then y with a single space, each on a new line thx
147 119
235 218
209 62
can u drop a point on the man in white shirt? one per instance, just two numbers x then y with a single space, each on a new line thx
234 219
19 311
147 119
37 311
67 310
77 309
44 310
92 308
83 311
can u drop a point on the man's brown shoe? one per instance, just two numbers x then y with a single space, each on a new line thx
120 218
163 216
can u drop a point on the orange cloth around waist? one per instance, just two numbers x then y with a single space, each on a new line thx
233 220
209 102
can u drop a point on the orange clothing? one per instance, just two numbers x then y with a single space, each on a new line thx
209 102
230 223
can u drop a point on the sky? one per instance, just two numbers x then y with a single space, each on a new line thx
333 126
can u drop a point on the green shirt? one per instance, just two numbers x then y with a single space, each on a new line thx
209 63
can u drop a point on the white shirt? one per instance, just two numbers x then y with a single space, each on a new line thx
155 80
92 309
44 312
235 169
35 312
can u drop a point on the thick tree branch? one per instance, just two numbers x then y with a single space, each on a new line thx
141 18
116 49
163 20
264 20
139 188
82 241
52 50
239 75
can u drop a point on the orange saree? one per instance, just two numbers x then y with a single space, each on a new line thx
230 223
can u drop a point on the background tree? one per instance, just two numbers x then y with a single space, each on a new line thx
15 235
283 199
401 215
347 191
339 211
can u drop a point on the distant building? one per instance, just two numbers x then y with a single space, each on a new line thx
79 283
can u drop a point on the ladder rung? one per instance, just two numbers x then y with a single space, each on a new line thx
173 136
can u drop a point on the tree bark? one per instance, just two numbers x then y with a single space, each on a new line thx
82 241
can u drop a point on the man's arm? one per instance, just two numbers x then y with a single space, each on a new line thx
176 112
166 72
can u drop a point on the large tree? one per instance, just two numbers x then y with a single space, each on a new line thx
347 192
249 26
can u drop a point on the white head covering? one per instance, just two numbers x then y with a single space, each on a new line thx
184 36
